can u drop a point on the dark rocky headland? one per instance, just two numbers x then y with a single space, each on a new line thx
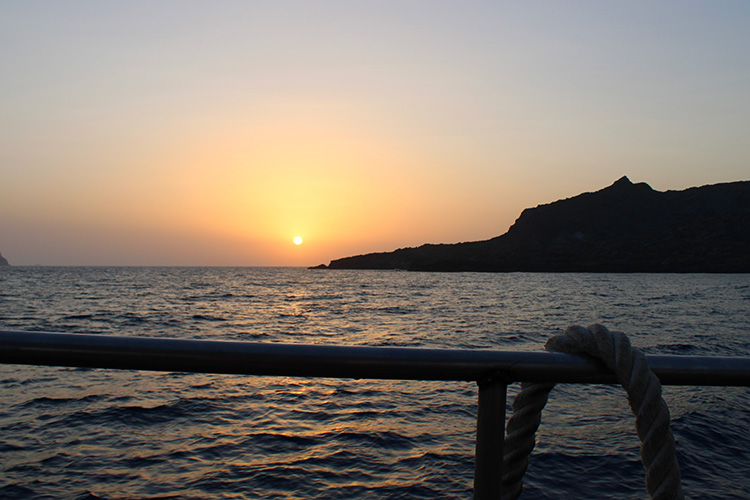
625 227
3 261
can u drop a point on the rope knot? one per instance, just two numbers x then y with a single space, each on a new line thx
644 395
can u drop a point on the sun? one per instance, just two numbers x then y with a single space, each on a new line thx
297 240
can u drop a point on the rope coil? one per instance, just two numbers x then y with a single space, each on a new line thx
644 394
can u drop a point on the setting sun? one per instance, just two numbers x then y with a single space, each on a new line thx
297 240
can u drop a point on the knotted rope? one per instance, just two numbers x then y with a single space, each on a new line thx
644 394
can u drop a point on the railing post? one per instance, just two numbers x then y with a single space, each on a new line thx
488 460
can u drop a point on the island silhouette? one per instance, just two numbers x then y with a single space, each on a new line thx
3 261
624 227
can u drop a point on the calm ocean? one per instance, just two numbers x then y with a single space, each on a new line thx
87 434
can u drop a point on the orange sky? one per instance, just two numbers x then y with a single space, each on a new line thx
184 133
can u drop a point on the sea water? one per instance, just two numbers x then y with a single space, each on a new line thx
91 433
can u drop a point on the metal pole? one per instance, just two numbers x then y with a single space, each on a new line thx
299 360
488 464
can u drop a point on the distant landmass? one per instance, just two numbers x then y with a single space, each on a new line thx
3 261
625 227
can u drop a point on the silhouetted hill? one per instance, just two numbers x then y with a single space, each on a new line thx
3 261
625 227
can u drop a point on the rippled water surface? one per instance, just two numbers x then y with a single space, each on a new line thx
84 433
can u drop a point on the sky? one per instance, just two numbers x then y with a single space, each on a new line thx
213 133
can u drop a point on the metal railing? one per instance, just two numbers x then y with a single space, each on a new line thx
492 370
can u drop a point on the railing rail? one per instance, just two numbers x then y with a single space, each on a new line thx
304 360
492 370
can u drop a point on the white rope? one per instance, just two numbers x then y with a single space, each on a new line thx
644 394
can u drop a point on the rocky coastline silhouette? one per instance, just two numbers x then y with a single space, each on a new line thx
624 227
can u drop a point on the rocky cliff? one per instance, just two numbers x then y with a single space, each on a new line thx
3 261
625 227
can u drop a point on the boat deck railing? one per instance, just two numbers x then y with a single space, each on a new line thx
492 370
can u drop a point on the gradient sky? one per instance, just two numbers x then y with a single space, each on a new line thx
213 133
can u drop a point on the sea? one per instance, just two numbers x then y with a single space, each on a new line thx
79 433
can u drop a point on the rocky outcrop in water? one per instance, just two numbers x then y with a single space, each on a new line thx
3 261
625 227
